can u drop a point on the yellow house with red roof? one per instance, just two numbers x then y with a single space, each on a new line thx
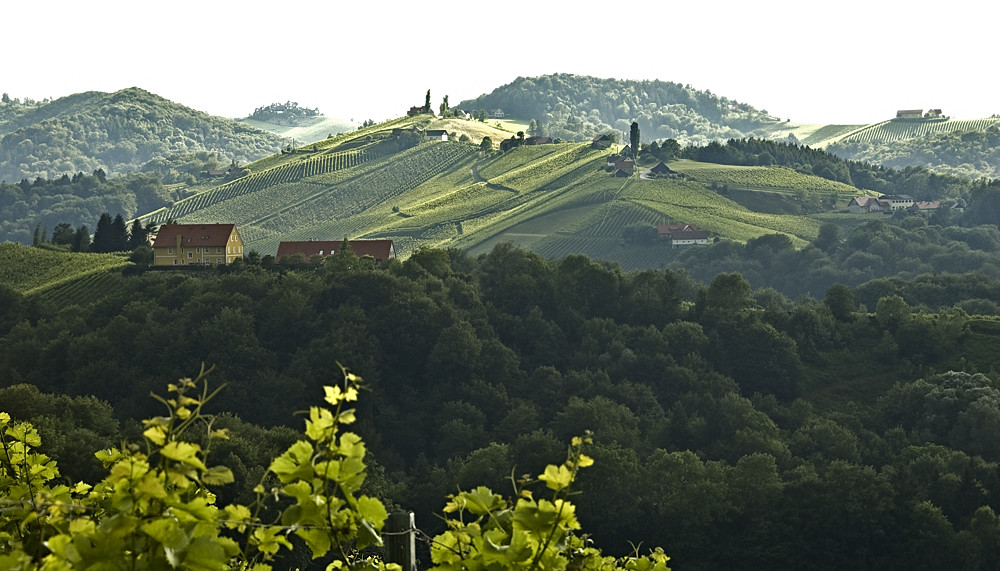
197 244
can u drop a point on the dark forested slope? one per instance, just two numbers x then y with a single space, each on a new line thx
117 132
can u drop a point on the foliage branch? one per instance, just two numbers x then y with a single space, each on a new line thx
155 508
487 531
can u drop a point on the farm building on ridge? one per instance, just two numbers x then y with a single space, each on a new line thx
682 234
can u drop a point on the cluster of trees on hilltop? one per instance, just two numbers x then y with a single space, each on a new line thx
13 109
118 132
287 113
918 182
972 154
717 411
576 107
76 200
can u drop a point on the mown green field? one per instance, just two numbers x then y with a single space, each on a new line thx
30 270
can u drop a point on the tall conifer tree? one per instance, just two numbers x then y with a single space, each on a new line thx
119 234
634 138
103 241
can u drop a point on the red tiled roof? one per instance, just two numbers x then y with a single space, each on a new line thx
667 229
864 201
378 249
193 235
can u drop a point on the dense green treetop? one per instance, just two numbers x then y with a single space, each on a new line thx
714 407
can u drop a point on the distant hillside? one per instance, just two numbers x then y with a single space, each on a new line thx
305 131
964 148
555 199
576 107
117 132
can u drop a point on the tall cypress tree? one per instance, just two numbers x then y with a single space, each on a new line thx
119 234
137 235
103 241
634 138
81 239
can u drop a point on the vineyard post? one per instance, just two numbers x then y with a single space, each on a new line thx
400 540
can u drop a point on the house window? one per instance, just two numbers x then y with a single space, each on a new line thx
218 260
190 255
218 250
170 250
175 261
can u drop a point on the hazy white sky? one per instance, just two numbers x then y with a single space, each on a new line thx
849 61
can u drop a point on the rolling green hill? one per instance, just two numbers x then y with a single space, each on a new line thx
308 130
556 199
117 132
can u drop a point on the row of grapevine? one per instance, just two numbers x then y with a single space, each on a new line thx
896 130
376 186
617 216
256 182
90 287
27 269
774 178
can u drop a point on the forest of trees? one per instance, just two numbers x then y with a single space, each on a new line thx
117 132
809 433
76 200
576 107
936 266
